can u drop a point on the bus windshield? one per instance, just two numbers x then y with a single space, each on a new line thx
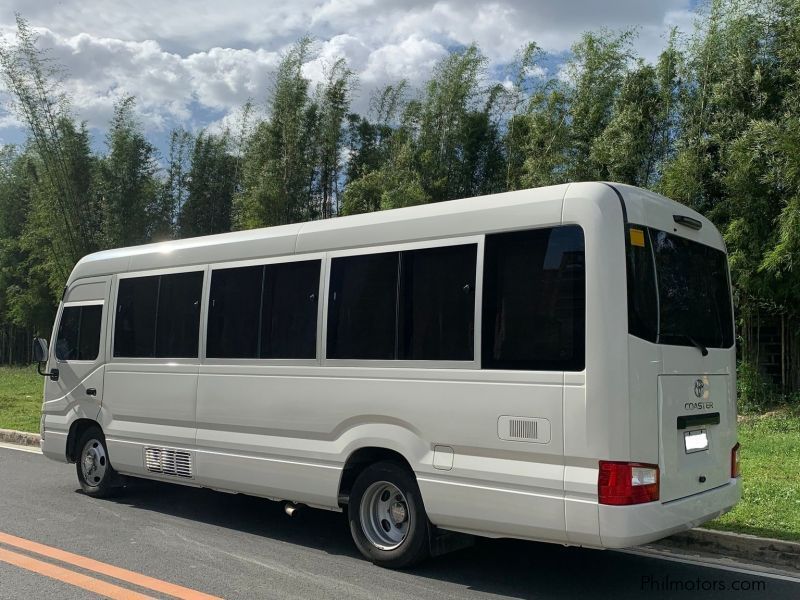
678 291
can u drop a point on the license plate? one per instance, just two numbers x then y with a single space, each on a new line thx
695 441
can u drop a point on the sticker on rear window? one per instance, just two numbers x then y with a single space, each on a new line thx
637 237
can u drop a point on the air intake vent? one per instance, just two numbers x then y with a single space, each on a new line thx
168 462
524 429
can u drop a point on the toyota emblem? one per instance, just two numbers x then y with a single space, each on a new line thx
699 386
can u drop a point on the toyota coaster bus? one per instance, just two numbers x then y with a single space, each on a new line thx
554 364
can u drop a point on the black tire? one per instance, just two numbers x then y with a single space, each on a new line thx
102 481
414 546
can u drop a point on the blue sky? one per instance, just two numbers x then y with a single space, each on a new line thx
194 63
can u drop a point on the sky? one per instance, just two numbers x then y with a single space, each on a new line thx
194 63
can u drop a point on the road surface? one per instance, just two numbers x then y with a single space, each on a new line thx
165 541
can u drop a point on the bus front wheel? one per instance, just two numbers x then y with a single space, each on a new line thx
95 473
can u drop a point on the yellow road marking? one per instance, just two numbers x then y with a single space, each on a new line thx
150 583
109 590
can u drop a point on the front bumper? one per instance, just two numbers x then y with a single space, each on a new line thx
54 445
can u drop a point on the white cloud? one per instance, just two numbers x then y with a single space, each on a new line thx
187 60
100 71
412 59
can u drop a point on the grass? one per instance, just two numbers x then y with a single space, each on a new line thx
20 398
770 456
770 462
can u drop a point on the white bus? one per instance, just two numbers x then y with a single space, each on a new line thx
555 364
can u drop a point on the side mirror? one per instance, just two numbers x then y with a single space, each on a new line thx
40 350
40 354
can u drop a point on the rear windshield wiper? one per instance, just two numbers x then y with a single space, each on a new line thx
692 341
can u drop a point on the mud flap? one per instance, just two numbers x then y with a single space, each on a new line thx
442 541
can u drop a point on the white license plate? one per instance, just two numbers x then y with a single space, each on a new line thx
695 441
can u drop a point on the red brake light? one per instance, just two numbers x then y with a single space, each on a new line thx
623 483
735 470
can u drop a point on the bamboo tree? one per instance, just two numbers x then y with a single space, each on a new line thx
517 94
211 187
333 100
33 83
127 182
278 165
455 111
174 188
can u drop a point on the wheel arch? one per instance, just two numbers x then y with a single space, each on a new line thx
360 459
76 430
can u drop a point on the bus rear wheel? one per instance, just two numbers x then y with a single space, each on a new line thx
387 519
95 473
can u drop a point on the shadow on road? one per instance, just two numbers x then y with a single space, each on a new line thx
511 568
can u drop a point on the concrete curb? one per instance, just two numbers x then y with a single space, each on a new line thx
23 438
723 544
763 551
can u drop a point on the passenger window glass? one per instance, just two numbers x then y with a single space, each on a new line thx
178 325
437 300
234 311
158 316
362 307
534 300
79 333
135 326
289 311
642 295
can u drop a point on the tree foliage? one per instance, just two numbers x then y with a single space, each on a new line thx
210 186
127 182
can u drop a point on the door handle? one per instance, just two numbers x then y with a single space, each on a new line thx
91 392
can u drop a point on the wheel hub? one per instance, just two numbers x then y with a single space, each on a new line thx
93 462
398 512
385 517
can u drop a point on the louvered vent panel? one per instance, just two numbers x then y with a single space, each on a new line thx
168 462
524 429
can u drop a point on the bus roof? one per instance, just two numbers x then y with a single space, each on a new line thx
470 216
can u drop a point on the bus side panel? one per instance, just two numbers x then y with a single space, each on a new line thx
286 432
147 405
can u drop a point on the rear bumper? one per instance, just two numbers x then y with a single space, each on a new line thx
623 526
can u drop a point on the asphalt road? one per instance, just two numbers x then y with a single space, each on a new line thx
235 546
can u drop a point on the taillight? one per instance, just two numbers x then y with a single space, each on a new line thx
622 483
735 470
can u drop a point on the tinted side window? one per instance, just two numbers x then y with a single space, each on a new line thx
234 312
79 333
362 306
289 311
158 316
135 325
534 300
437 300
67 340
642 294
178 317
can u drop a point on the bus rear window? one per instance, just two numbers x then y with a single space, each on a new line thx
678 291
